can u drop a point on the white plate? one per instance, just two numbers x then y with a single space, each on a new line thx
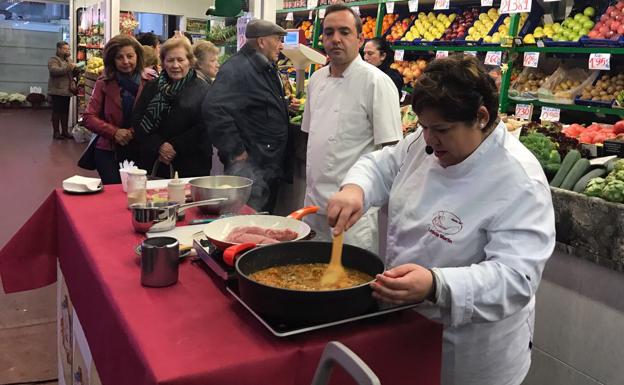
83 192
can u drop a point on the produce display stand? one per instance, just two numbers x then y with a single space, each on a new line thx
580 236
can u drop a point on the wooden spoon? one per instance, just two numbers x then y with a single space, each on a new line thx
335 271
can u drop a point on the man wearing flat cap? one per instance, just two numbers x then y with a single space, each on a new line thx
246 113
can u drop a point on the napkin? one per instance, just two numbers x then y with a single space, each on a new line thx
82 184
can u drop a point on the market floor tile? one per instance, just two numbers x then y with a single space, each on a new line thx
33 165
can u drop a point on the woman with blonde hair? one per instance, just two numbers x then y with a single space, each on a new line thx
207 64
167 119
152 63
109 112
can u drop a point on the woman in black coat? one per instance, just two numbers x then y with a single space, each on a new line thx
167 118
377 52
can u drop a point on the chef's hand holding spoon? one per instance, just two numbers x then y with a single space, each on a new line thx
345 208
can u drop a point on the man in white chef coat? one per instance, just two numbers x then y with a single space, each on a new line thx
352 108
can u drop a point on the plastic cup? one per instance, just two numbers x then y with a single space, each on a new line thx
123 173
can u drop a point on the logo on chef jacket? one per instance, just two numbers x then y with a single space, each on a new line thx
444 224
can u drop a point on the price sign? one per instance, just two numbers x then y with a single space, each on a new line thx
487 3
289 16
441 4
493 58
312 4
531 59
600 61
399 54
413 5
470 53
515 6
524 111
550 114
356 9
390 7
35 90
322 13
441 54
310 15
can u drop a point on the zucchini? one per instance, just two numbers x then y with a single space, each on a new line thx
579 187
580 168
611 164
566 165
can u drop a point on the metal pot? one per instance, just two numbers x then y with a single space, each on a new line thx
208 187
297 307
162 216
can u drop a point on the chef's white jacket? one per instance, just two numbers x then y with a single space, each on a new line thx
487 227
346 117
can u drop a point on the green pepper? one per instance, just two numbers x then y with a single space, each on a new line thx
594 187
614 191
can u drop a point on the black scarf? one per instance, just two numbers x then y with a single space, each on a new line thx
160 105
129 85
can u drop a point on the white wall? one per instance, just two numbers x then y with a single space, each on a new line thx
190 8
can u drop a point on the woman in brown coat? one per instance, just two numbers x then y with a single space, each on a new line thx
62 72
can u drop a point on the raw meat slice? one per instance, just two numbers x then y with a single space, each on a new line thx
260 235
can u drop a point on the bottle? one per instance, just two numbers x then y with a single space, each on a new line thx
137 186
175 190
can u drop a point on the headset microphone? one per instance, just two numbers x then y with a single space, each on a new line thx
429 150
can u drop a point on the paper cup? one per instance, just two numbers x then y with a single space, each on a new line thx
123 173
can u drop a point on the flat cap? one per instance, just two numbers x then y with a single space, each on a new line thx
261 28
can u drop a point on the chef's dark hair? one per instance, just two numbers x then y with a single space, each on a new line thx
342 7
456 86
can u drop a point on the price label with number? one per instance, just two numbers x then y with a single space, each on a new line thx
515 6
390 7
312 4
531 59
413 5
356 9
289 16
321 13
441 54
550 114
399 54
470 53
524 111
493 58
441 4
487 3
600 61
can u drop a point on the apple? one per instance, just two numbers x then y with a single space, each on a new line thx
609 23
593 34
620 5
603 30
609 34
591 12
615 25
604 17
620 29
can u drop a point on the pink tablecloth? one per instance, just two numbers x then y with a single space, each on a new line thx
192 332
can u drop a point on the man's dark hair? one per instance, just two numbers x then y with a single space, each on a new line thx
342 7
148 38
61 44
188 36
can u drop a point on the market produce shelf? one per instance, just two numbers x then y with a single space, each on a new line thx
611 50
456 48
574 107
350 4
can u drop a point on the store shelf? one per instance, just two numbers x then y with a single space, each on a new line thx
351 4
453 48
613 51
574 107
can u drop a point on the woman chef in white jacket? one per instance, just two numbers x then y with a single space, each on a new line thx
471 223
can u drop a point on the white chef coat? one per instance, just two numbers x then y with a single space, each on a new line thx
345 118
487 226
